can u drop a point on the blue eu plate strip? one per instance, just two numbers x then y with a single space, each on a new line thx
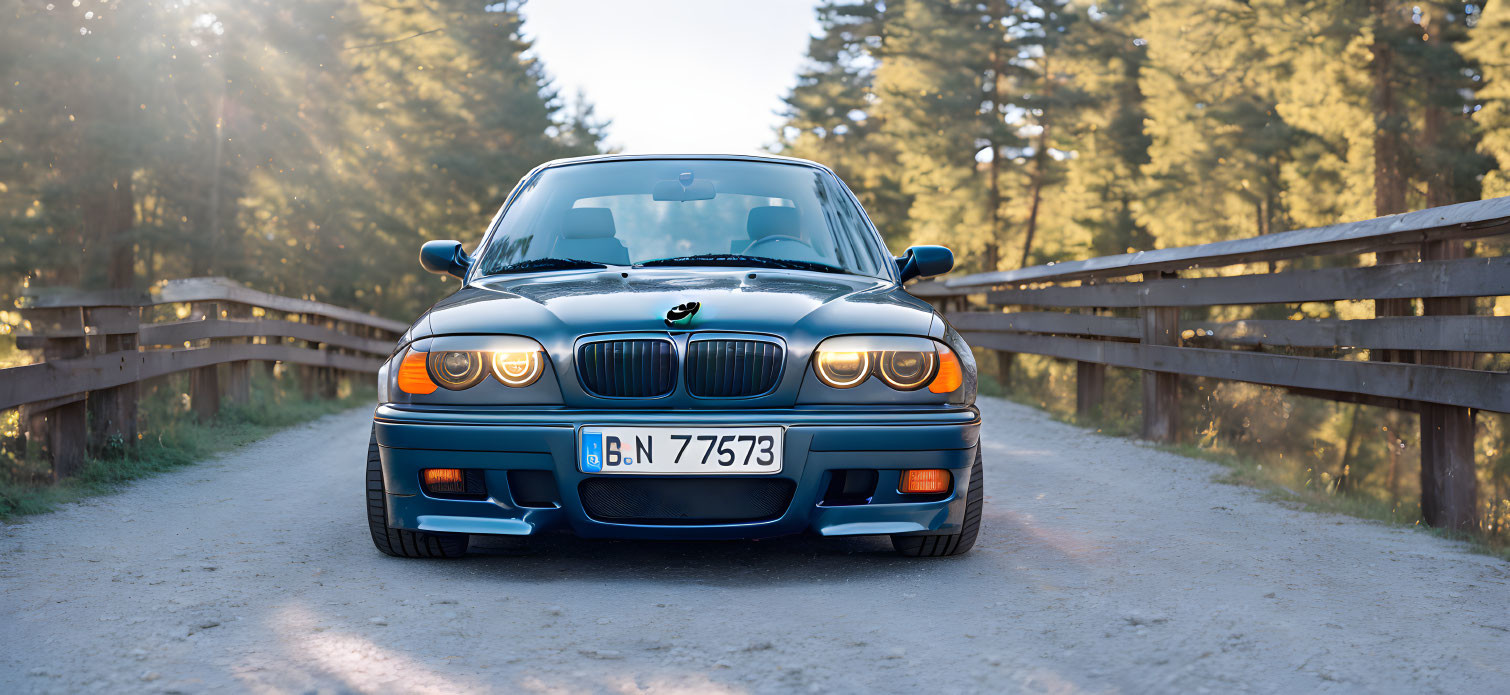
592 452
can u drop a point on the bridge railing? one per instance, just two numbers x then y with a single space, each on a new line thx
97 347
1151 311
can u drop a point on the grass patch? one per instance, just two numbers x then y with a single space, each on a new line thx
1279 485
171 438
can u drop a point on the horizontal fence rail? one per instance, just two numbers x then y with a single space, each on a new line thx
1137 311
97 347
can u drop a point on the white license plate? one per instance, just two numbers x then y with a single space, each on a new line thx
680 450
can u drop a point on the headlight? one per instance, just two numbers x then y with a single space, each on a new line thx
907 370
904 363
843 369
461 362
518 368
455 369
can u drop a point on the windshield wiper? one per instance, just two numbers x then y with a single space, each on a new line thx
738 260
535 264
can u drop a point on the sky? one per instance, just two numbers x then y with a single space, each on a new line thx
676 76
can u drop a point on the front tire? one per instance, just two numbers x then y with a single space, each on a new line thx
942 545
399 542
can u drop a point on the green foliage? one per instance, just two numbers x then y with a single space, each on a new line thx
1149 123
306 148
830 116
171 439
1489 46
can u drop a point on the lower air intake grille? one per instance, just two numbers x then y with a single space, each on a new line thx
627 368
685 500
732 368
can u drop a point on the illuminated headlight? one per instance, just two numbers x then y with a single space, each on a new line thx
904 363
514 361
518 368
843 369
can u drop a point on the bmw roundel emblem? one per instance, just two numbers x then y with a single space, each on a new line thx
681 314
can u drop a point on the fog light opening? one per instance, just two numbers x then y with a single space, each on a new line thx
925 481
453 482
849 487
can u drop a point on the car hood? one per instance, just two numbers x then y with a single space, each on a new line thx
799 306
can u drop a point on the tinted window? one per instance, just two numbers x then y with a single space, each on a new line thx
633 212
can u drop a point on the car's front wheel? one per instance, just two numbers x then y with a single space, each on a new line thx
959 543
399 542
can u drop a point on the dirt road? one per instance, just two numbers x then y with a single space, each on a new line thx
1103 566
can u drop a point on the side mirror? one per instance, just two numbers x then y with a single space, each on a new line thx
925 262
445 258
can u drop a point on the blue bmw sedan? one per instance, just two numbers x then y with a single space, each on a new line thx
677 347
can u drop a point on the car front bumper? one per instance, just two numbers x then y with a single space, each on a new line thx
818 441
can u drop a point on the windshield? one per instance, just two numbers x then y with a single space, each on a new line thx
683 212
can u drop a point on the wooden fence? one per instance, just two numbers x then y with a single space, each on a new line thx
1138 311
97 347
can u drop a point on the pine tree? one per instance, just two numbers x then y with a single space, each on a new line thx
1489 47
929 89
307 148
1039 44
831 115
1106 140
1218 143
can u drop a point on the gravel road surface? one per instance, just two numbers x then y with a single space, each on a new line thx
1103 566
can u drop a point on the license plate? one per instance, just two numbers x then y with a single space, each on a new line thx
680 450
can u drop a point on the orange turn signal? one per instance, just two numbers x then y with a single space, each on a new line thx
925 481
413 377
443 480
949 377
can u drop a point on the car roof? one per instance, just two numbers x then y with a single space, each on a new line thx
772 158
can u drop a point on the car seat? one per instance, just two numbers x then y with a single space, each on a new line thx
587 234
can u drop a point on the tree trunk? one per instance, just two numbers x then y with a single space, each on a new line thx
206 258
1040 166
1439 180
1389 185
108 214
1344 468
991 259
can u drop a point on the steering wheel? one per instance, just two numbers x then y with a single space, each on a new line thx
776 239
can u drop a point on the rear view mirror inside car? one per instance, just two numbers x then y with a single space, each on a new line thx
683 190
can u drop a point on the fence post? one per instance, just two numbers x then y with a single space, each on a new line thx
239 375
61 429
269 367
204 382
1161 390
1090 384
112 412
1449 483
330 385
308 374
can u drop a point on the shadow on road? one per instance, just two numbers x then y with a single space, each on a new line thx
798 559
